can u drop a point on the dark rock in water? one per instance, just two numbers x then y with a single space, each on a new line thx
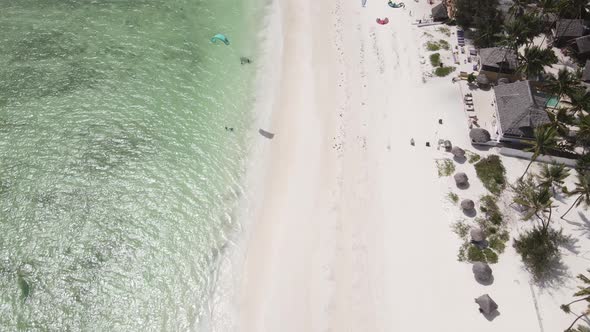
24 288
244 60
266 134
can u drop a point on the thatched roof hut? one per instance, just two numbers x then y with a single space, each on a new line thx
458 152
486 304
482 272
461 179
479 135
477 235
467 204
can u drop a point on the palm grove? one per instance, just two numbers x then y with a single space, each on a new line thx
524 28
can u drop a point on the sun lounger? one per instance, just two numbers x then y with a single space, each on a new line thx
470 108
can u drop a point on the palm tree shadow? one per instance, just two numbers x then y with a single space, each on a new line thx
584 226
555 276
559 196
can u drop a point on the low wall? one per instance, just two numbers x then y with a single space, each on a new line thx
542 158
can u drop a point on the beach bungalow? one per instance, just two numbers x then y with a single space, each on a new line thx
440 13
582 47
520 108
498 62
567 30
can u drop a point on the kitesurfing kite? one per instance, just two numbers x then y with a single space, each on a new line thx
221 38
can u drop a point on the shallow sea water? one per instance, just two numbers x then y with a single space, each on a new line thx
118 180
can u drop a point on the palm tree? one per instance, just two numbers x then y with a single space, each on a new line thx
583 295
518 8
583 133
582 190
552 175
560 121
573 8
583 162
580 99
565 84
545 140
533 60
522 31
548 6
535 201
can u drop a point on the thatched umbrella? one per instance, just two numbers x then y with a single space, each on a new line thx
482 272
486 304
461 179
467 204
482 80
458 152
477 235
479 135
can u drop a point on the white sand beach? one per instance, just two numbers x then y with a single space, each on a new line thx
349 228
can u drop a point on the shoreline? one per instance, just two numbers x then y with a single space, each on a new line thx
222 303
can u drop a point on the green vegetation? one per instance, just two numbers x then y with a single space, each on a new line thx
538 247
539 251
435 60
552 176
453 197
475 254
446 31
484 16
444 44
582 191
492 225
583 294
432 46
491 211
445 167
443 71
472 157
545 141
492 174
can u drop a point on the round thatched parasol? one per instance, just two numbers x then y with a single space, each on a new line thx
458 152
486 304
477 235
461 179
482 272
479 135
467 204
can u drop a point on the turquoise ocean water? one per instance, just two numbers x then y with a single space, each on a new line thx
117 178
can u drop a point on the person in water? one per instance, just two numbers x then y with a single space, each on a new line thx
244 60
